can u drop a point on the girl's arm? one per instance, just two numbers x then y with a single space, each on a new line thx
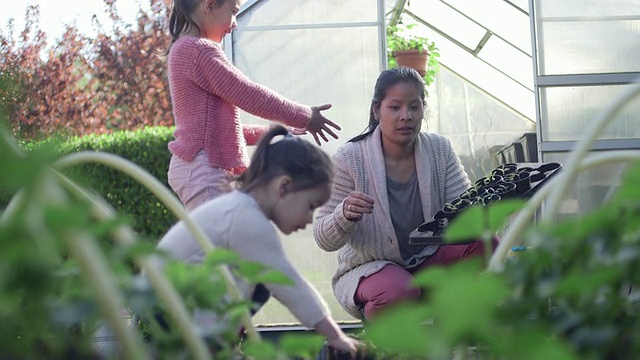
214 73
331 229
336 338
253 237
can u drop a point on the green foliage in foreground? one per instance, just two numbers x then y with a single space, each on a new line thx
56 281
572 296
569 297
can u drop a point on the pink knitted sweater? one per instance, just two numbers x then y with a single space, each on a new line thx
206 92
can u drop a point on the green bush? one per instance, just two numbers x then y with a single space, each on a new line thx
146 148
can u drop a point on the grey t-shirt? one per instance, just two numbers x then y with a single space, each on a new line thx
406 214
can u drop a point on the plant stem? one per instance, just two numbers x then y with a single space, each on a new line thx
563 180
173 204
164 289
16 204
83 247
583 146
525 215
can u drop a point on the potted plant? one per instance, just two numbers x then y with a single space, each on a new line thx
405 48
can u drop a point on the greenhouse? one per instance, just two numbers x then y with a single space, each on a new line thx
521 172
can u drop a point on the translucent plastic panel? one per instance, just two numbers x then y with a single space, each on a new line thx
509 60
342 72
291 62
501 18
447 20
474 122
521 4
567 111
591 189
290 12
563 8
481 74
589 46
316 266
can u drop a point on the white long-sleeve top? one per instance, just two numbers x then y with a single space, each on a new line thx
235 221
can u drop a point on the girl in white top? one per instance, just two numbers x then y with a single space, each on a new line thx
287 180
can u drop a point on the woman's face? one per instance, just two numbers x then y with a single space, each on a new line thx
400 114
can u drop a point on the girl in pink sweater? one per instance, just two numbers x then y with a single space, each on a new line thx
210 145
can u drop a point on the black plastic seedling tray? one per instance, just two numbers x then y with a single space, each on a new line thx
507 181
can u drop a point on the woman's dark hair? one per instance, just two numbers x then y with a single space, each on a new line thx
306 164
386 80
181 18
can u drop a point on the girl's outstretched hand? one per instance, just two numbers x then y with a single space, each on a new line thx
319 124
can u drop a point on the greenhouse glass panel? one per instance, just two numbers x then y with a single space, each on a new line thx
567 111
594 37
521 4
313 52
290 62
513 63
473 121
295 12
486 77
591 189
585 8
448 21
513 26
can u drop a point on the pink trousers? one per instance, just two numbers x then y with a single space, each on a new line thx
195 182
392 283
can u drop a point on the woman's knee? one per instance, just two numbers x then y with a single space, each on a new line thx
389 285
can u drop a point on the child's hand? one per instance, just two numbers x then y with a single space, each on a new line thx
319 124
348 345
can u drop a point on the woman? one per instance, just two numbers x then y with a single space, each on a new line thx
387 182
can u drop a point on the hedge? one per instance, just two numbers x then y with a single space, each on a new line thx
146 148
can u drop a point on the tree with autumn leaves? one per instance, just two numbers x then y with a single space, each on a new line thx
81 85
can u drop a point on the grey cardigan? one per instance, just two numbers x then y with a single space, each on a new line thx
369 244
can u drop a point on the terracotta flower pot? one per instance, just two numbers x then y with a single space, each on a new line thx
413 59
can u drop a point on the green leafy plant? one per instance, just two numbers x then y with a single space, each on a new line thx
401 37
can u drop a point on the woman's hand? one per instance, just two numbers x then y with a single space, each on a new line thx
357 204
319 124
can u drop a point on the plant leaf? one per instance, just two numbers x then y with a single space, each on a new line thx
473 222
